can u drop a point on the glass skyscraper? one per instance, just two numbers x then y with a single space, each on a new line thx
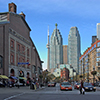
56 49
74 49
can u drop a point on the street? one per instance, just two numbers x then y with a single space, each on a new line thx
47 93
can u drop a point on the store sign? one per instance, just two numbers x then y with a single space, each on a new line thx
23 63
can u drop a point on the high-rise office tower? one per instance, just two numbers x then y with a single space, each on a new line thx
65 54
56 49
94 39
74 48
98 31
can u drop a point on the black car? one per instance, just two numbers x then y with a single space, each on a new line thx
89 87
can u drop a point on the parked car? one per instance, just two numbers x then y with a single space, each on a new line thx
76 85
65 86
89 87
1 84
51 84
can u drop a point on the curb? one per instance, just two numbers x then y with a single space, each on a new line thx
98 89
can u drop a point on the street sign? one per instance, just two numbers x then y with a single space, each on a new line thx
23 63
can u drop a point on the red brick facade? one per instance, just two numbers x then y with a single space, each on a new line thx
65 74
17 46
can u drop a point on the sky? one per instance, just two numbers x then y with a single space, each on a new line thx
84 14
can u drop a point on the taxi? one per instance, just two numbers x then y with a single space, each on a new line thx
65 86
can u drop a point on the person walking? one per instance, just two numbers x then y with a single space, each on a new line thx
82 90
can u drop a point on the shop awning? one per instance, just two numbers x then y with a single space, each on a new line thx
13 77
4 77
22 78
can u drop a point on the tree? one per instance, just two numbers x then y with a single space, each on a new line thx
81 76
94 73
40 76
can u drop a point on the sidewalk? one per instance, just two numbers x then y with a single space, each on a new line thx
98 88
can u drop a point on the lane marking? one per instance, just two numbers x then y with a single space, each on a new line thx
14 96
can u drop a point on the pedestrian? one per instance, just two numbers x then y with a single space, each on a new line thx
82 90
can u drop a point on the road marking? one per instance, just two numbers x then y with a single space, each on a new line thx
14 96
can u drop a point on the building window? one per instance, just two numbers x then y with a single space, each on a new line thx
98 68
98 59
18 47
12 44
98 63
34 69
98 49
27 52
1 61
98 44
23 49
98 54
12 59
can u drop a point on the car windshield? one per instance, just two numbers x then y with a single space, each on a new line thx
65 83
87 84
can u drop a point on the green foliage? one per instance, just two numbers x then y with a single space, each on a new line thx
41 76
47 76
94 73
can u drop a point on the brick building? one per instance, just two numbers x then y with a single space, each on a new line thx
16 46
65 73
90 61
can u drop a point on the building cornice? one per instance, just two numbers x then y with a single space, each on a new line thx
19 16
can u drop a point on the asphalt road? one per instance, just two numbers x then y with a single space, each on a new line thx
47 93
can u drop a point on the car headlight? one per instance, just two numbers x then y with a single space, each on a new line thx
94 87
86 87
